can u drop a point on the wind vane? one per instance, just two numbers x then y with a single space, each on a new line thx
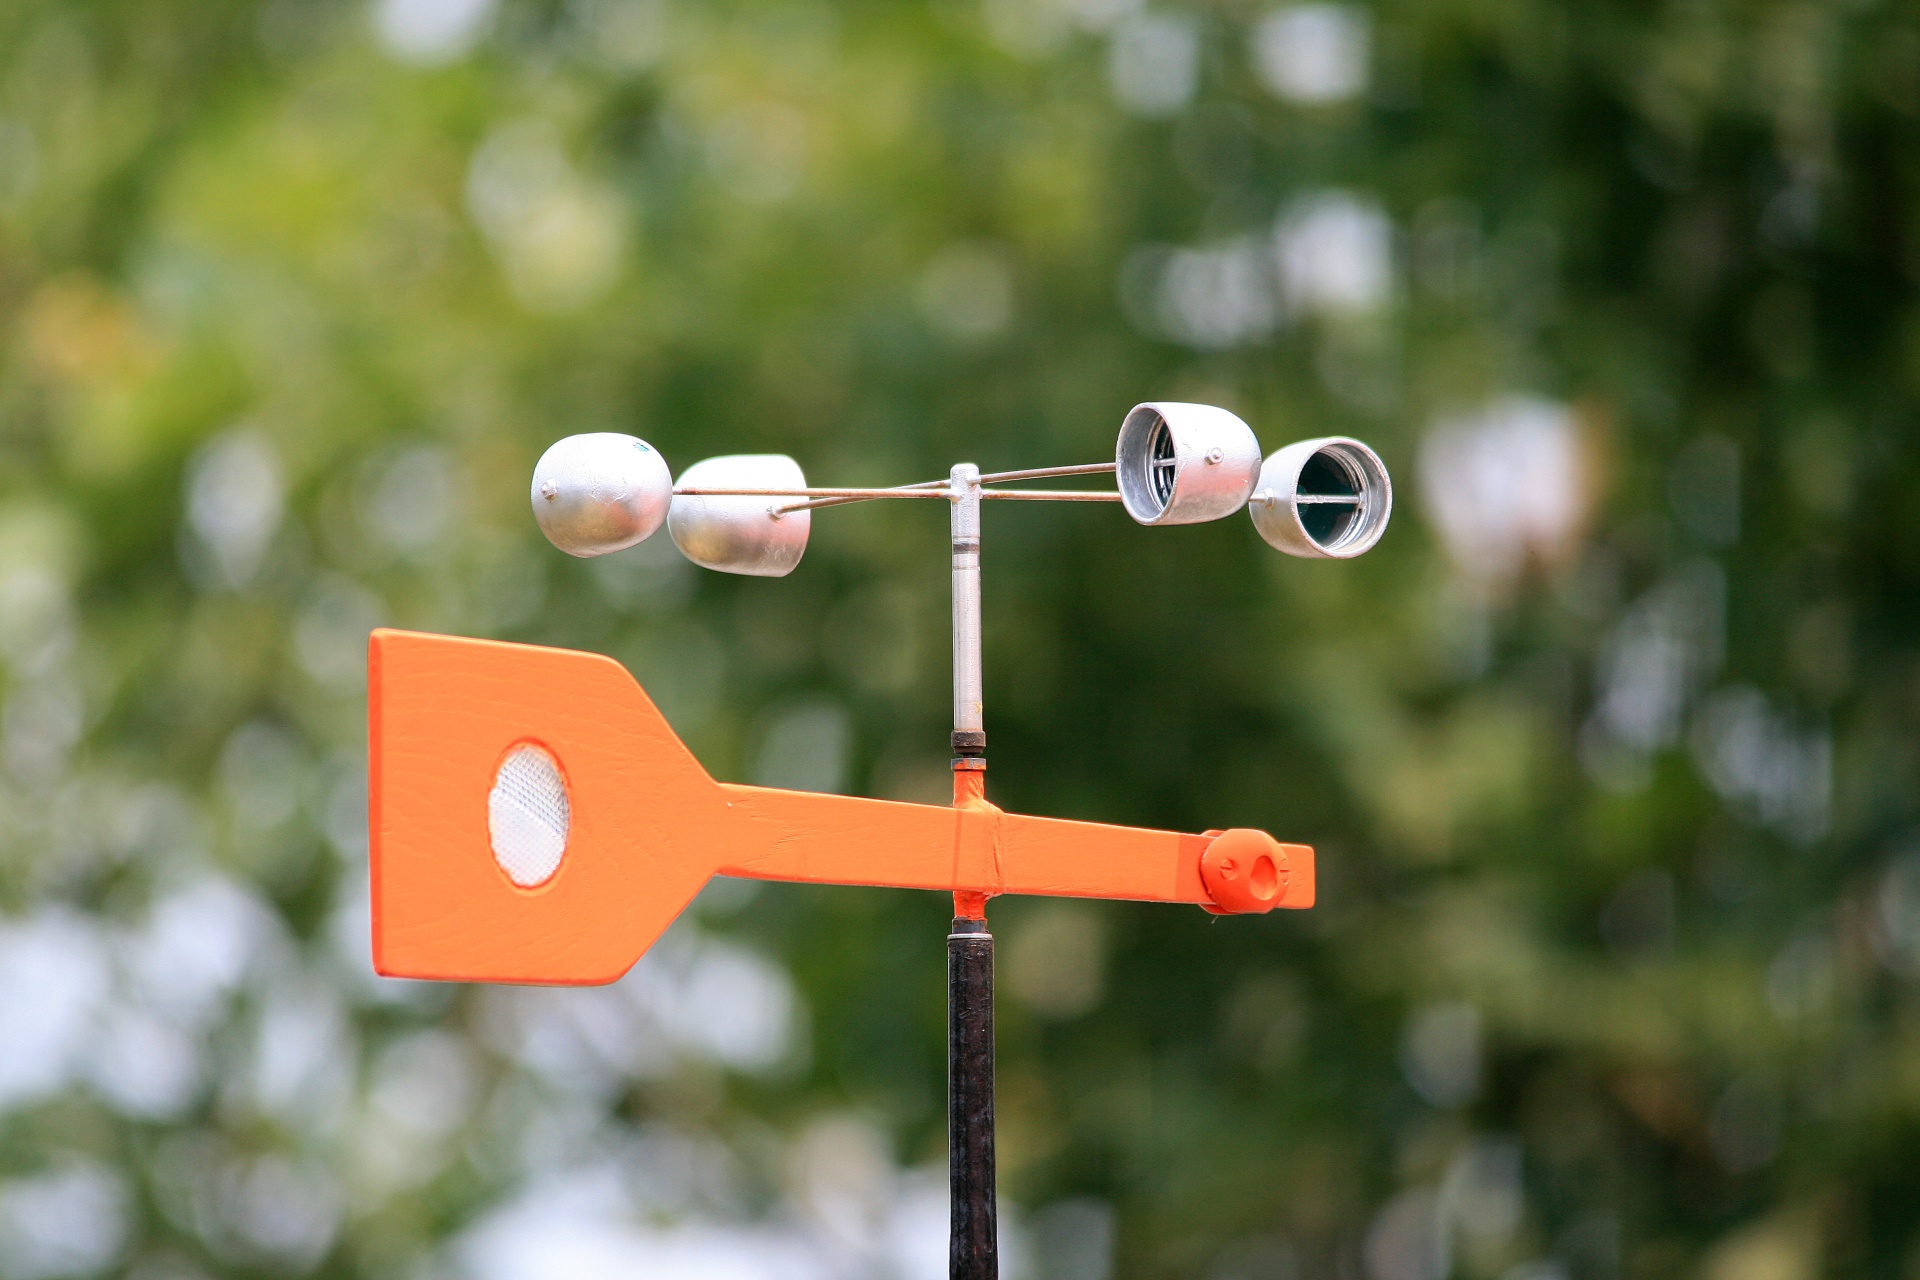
535 819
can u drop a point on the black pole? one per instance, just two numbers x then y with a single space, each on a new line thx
973 1250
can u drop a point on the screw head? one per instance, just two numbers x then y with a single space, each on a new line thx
1215 456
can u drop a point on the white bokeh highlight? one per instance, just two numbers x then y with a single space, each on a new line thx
560 236
70 1221
1334 251
1505 484
1153 63
1313 54
1329 257
236 495
427 33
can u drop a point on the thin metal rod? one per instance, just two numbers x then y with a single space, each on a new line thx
920 488
818 498
1017 495
1043 473
1267 497
815 504
973 1246
861 494
938 486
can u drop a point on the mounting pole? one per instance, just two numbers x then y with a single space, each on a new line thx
973 1247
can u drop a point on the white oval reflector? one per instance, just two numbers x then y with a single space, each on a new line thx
528 816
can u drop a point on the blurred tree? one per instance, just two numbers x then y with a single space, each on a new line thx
1609 750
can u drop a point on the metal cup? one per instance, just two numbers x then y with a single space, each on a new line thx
1184 463
600 492
741 534
1325 499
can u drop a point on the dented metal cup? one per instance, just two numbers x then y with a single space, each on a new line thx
745 534
598 493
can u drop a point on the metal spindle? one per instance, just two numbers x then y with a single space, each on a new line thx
973 1251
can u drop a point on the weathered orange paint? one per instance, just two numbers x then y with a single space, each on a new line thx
649 827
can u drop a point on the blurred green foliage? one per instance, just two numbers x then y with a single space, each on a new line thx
1609 750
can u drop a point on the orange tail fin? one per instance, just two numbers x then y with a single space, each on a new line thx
643 826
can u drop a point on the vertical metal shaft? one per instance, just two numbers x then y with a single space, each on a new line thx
969 723
973 1248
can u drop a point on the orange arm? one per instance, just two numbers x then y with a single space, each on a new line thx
646 826
828 839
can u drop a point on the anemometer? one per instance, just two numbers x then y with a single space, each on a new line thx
534 819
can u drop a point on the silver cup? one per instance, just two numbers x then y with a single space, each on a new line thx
1184 463
1325 499
741 534
600 492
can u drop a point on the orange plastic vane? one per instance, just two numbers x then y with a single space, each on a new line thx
534 819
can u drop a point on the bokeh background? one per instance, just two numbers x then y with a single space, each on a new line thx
1610 750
